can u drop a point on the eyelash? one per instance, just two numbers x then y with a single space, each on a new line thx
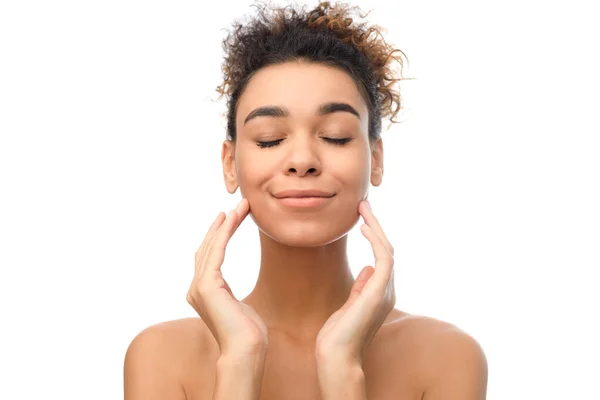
338 142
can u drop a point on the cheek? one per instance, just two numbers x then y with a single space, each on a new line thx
253 182
354 174
251 170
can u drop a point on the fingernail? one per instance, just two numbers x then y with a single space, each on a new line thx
368 204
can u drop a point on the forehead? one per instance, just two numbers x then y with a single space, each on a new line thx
301 87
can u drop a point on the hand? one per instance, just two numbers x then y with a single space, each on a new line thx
236 326
349 331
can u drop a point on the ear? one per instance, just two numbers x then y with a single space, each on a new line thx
229 169
377 162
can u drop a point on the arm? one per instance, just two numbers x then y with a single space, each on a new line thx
461 370
341 380
239 378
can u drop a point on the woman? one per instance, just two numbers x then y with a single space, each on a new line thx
306 95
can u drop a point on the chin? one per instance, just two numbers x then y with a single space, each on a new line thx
306 233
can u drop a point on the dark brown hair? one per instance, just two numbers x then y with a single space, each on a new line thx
328 35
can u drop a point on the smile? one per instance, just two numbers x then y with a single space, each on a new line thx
303 202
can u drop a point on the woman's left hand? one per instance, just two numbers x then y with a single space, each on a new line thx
349 331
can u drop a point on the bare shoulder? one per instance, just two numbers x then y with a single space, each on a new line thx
451 363
160 358
173 338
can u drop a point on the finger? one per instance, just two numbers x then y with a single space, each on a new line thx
225 226
209 253
208 238
360 282
206 251
373 222
213 233
240 212
226 285
384 261
213 228
216 252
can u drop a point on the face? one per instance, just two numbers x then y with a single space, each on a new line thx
297 144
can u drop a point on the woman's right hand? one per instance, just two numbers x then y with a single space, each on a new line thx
236 326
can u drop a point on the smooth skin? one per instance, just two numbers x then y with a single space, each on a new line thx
236 326
446 362
306 305
349 331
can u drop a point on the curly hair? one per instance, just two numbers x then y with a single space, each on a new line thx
327 35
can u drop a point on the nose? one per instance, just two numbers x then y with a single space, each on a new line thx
302 158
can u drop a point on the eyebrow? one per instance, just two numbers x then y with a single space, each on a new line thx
324 109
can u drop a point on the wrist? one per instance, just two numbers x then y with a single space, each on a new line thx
342 381
241 360
244 352
337 359
239 377
337 366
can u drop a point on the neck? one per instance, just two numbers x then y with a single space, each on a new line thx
298 288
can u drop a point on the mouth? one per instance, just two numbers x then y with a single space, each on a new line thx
307 193
304 201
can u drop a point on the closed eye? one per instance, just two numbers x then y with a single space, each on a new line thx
268 144
339 142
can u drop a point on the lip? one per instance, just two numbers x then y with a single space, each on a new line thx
306 193
303 202
303 198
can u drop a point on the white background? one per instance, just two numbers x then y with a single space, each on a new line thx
110 175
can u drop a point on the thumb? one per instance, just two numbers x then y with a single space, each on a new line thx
360 282
226 286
